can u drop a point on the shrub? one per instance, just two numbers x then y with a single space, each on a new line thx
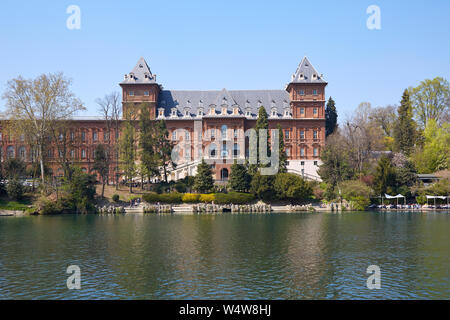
206 198
115 197
171 197
164 197
191 197
262 187
354 188
359 203
291 187
233 198
14 189
151 197
421 199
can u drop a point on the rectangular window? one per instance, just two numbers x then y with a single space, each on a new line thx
213 133
302 92
316 152
106 136
187 136
146 93
302 112
235 133
83 153
315 92
315 134
315 111
315 163
302 152
302 134
302 163
131 93
95 136
83 136
72 154
286 134
288 152
72 136
174 135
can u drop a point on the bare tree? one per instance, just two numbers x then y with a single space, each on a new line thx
37 105
110 108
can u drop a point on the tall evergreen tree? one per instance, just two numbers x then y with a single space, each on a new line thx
164 147
384 180
128 149
239 178
204 181
101 165
330 117
404 131
261 123
147 144
282 152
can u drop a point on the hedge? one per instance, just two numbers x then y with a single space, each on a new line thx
233 198
190 197
218 198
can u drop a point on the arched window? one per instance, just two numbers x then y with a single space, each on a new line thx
212 150
224 174
10 152
22 153
224 132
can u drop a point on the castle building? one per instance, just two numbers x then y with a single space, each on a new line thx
210 125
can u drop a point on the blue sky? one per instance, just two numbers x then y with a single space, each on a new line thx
211 45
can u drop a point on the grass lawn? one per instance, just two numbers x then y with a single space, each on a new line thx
123 192
6 204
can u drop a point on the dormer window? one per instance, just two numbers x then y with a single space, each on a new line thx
248 113
287 112
173 112
200 112
186 112
314 76
224 110
235 110
212 110
161 112
302 76
274 112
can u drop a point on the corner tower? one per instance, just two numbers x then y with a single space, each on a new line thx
307 92
140 87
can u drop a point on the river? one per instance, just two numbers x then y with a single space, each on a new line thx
271 256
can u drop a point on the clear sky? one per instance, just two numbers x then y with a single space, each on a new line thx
210 45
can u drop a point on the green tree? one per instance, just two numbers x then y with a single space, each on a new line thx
262 186
384 179
14 168
239 178
435 154
128 149
330 117
262 123
204 182
288 186
404 131
149 155
335 161
430 100
80 192
101 165
164 147
283 159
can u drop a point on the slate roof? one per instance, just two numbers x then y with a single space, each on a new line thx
244 99
140 74
306 73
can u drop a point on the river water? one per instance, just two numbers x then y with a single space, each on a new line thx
275 256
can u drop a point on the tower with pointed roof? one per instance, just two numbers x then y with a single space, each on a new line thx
307 92
140 87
